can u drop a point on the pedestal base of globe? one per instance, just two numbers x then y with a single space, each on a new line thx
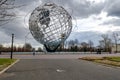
50 25
51 49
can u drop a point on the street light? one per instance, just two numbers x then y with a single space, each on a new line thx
11 56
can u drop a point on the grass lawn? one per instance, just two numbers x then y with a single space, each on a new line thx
114 61
5 62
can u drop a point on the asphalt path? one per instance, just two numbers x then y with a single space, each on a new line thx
60 69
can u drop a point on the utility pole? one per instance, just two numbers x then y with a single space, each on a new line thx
11 56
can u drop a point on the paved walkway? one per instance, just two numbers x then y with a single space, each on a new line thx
59 69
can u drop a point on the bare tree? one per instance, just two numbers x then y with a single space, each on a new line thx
76 42
39 49
84 46
102 44
1 46
6 14
71 43
90 43
106 42
27 46
116 39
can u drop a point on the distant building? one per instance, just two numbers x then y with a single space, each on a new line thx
114 48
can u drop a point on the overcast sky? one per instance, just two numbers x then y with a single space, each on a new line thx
91 18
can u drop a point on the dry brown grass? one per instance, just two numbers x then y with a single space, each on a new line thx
91 58
103 60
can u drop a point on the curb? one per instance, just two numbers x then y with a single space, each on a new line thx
8 67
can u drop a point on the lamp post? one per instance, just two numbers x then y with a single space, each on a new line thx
11 56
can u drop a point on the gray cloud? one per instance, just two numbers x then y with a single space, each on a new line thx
114 22
112 7
14 27
80 8
19 32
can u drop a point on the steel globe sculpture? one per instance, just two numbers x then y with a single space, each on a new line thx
50 25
